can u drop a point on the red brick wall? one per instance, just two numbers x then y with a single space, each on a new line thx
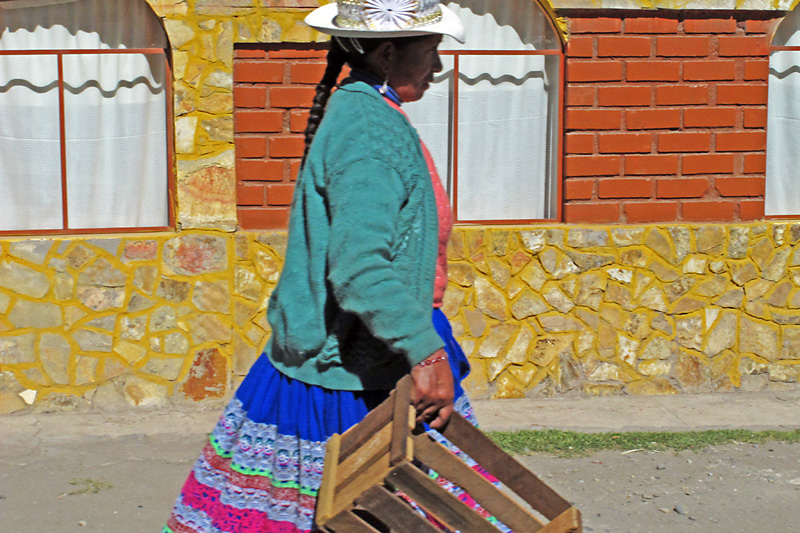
274 86
665 116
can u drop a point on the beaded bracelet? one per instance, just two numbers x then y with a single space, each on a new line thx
437 359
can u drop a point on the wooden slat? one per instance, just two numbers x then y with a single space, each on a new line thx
391 511
373 475
412 427
357 435
504 467
403 389
567 522
347 522
487 495
437 501
400 430
328 484
363 458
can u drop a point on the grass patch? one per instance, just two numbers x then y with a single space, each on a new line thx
572 444
89 486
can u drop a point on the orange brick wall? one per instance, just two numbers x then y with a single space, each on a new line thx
274 85
665 116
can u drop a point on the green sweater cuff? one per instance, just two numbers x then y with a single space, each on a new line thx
422 346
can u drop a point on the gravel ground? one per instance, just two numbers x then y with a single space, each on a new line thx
128 484
122 485
737 487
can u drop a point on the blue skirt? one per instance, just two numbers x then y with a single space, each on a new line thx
262 467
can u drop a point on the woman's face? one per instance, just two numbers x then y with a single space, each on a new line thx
413 67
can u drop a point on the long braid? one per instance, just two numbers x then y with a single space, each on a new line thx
336 60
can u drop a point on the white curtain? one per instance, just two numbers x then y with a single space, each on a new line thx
507 113
432 115
30 153
115 112
782 196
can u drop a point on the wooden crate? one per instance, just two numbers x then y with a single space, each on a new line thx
368 465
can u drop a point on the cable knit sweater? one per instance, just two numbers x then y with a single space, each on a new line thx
352 309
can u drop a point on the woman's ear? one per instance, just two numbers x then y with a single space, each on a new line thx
383 57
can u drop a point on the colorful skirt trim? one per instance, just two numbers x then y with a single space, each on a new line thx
262 467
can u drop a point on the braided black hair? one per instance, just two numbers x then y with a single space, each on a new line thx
337 57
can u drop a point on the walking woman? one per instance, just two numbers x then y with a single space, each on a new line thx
357 304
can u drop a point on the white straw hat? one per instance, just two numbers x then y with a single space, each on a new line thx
386 18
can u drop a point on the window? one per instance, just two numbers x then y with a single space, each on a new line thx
495 134
84 117
782 194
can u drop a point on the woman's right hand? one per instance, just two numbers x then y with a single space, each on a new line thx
432 393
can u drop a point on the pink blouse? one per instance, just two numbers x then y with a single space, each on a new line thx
445 227
445 222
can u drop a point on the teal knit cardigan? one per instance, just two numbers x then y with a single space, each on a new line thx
352 309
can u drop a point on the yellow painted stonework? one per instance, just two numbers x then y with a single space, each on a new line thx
202 34
132 320
623 309
136 321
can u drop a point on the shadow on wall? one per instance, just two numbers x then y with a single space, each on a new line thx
84 24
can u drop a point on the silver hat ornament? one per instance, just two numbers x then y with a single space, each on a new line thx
386 18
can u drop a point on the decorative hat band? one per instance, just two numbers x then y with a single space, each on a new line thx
387 15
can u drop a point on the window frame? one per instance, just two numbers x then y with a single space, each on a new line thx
170 140
453 145
776 48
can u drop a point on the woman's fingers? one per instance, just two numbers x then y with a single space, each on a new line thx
427 414
442 418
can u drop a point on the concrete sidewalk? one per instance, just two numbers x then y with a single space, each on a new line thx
687 412
752 410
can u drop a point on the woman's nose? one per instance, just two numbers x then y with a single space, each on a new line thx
437 63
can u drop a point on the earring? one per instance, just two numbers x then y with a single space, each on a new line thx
356 45
341 44
385 88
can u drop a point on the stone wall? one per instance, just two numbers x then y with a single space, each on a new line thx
131 321
627 309
202 34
